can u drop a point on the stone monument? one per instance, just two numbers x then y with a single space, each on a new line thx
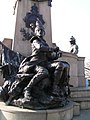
21 44
23 47
38 86
39 80
25 6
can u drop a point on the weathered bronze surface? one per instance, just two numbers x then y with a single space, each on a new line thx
39 81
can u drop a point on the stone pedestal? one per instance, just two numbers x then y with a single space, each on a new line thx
81 72
24 6
77 76
15 113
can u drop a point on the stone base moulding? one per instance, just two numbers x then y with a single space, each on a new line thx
15 113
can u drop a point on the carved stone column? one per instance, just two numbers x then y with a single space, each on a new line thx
24 6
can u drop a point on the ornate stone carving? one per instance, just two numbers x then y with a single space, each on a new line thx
30 21
49 1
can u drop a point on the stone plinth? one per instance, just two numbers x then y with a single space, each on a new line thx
15 113
24 6
81 95
81 72
76 108
77 76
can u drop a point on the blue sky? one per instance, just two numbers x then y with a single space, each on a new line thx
69 17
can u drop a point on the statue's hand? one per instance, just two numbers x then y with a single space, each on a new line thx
59 53
51 50
56 49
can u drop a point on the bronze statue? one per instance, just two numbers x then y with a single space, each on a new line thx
74 46
40 81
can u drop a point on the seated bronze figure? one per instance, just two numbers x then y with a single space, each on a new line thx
39 81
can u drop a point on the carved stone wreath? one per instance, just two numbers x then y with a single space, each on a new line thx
49 1
31 18
39 0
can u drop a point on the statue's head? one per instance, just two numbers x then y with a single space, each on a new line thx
39 29
72 40
32 26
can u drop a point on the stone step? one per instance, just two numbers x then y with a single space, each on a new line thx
80 99
84 102
80 92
